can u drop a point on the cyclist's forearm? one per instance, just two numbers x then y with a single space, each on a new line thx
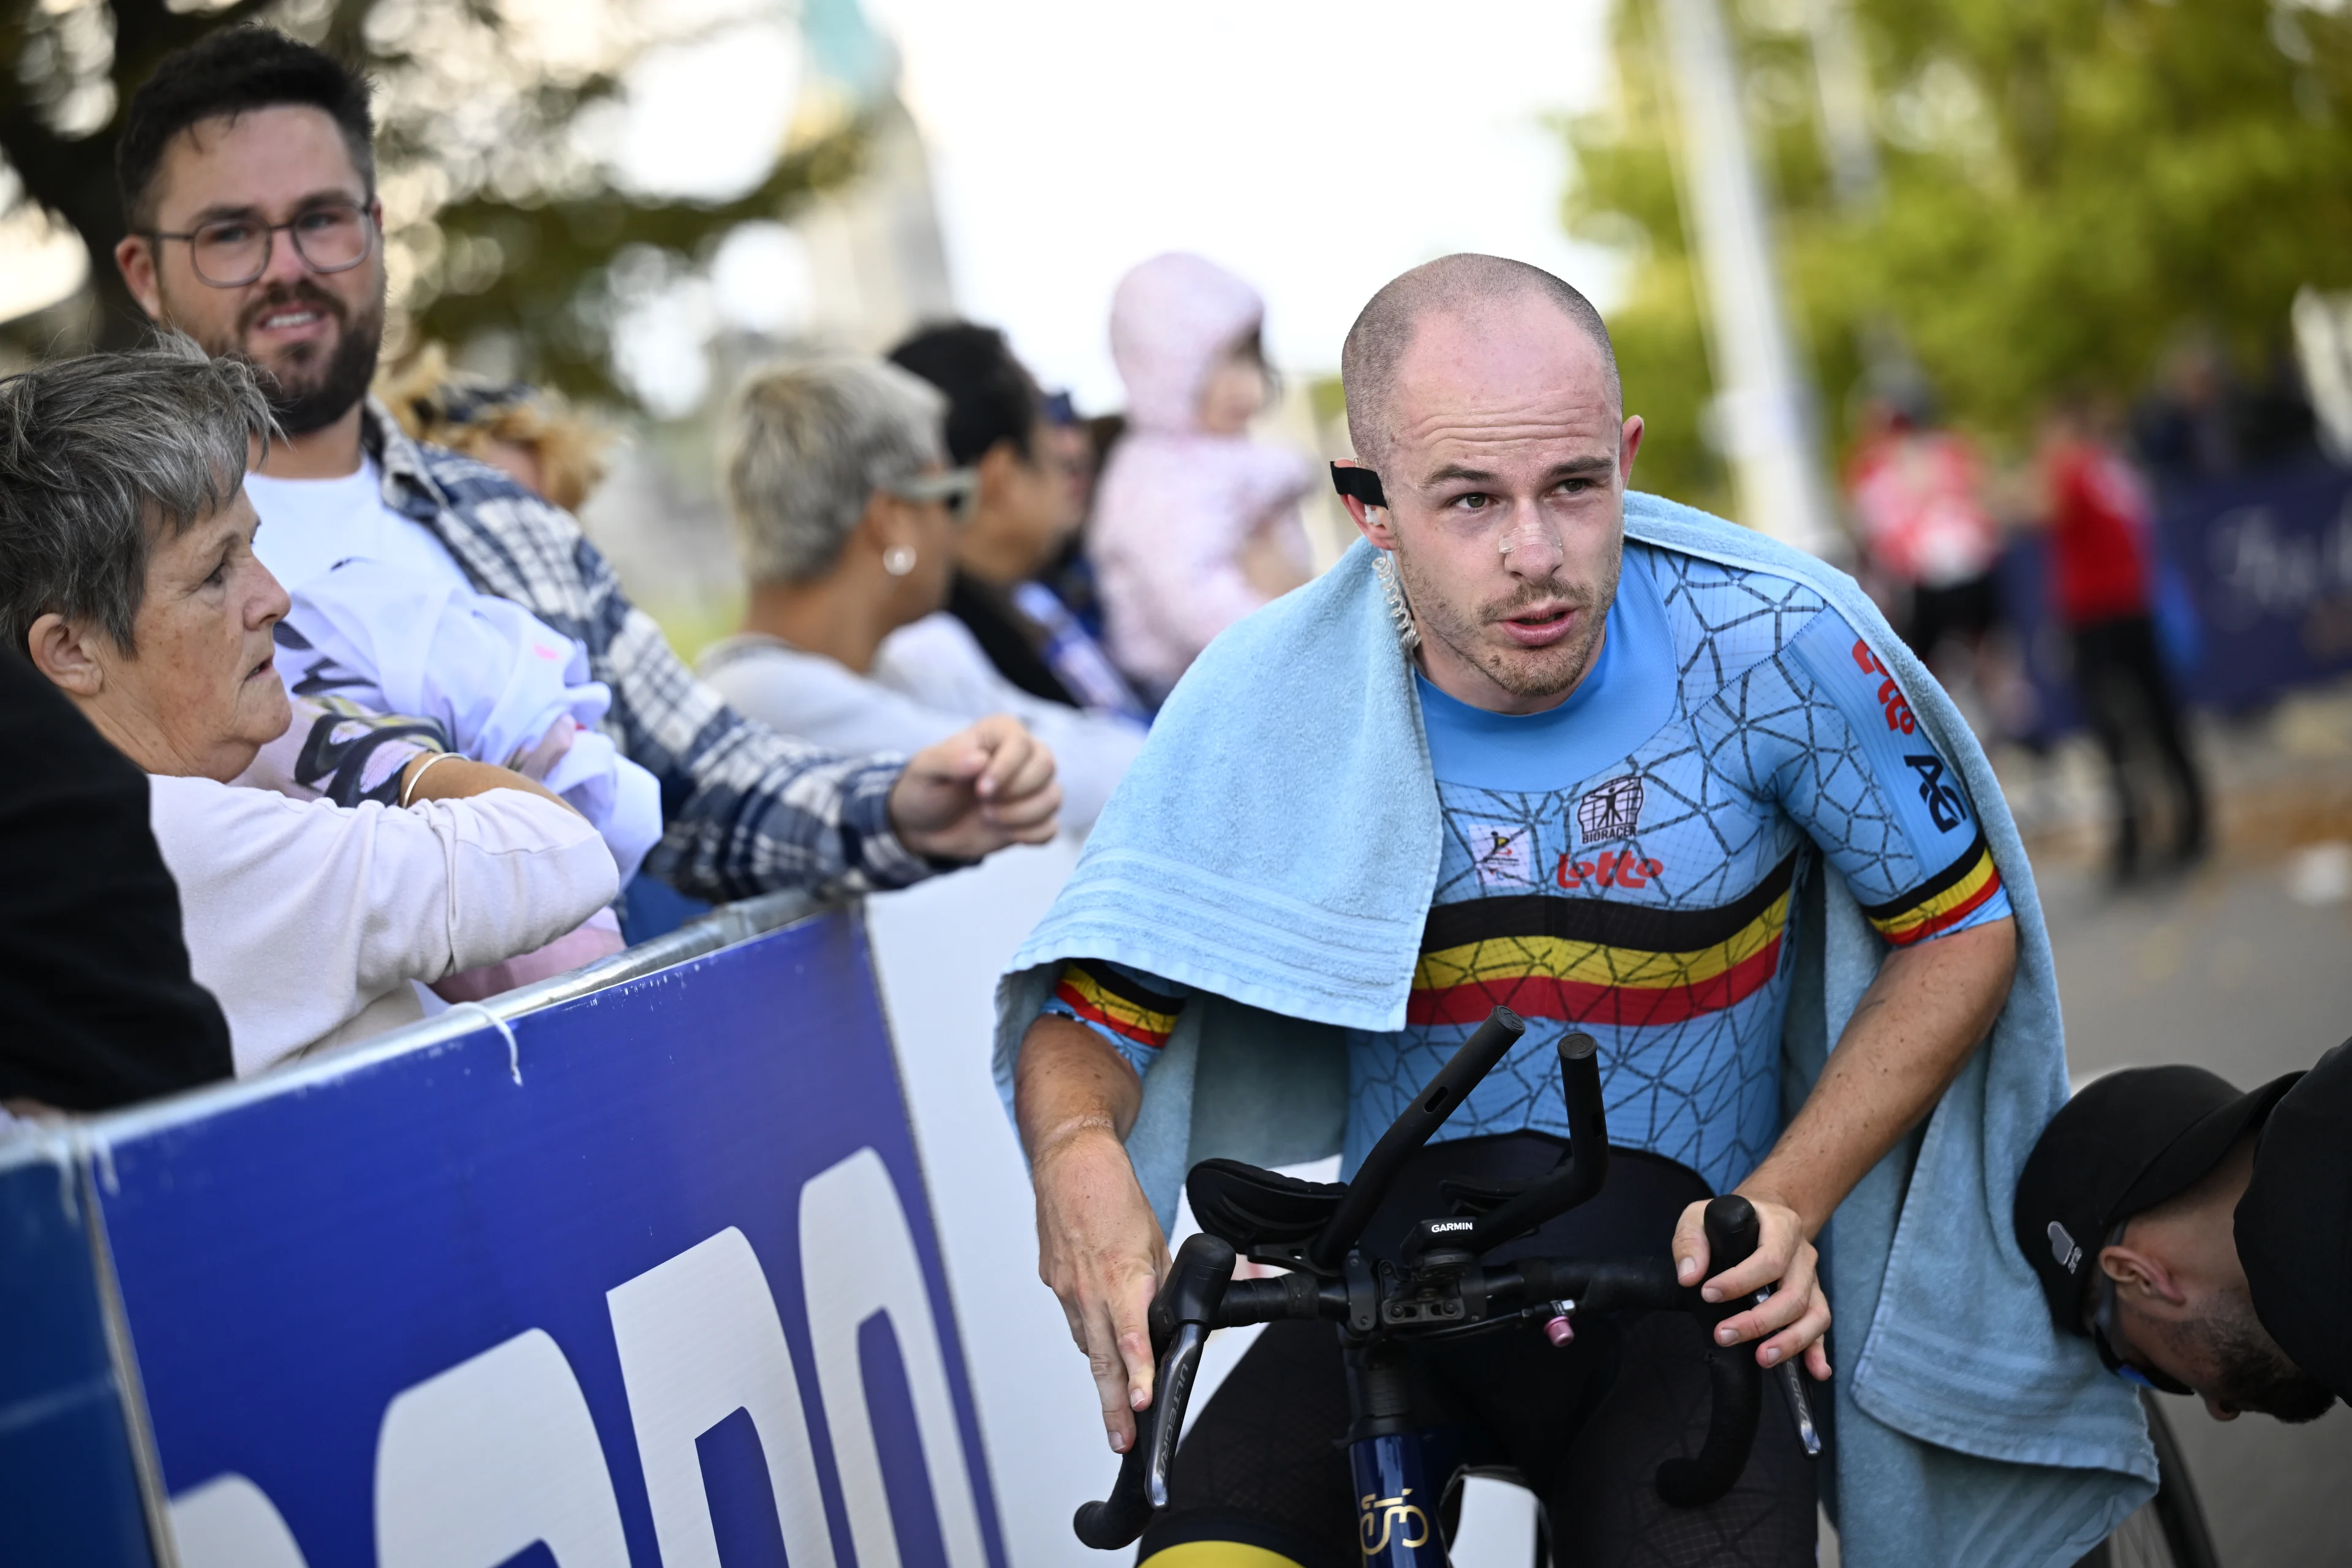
1068 1082
1908 1038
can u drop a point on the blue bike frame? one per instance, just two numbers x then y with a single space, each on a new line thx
1396 1508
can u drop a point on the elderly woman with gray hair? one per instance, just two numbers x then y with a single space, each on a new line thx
127 575
847 514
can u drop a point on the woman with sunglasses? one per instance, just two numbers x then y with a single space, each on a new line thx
847 515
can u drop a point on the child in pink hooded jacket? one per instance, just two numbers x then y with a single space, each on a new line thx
1195 525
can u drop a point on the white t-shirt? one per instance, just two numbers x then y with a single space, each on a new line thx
307 525
930 680
308 921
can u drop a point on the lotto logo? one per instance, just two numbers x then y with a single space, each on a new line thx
1611 868
1890 696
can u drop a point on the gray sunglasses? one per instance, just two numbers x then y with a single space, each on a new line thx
957 487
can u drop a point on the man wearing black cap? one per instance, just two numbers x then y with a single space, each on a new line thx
2201 1237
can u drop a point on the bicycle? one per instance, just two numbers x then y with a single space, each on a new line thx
1436 1285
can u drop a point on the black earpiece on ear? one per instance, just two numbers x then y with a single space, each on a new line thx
1362 483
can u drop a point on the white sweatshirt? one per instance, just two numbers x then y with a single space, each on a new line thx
929 680
308 921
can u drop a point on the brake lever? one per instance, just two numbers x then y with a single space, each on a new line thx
1181 1316
1792 1384
1174 1391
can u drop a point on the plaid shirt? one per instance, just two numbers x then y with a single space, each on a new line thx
749 810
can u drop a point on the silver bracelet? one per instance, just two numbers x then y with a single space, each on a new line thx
408 790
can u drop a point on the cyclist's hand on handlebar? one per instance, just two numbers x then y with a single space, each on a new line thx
1797 1315
1100 1250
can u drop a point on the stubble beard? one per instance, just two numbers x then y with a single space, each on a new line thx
1534 673
310 389
2252 1372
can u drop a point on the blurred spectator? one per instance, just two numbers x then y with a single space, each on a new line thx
1032 497
1195 525
1919 494
848 520
2102 582
525 432
94 984
126 551
2203 421
261 237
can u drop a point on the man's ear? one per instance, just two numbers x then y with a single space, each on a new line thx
1629 443
134 258
1371 522
2142 1276
66 656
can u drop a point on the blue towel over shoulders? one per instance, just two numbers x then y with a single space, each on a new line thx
1275 846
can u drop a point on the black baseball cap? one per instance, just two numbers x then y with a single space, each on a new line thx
2295 1223
2127 1143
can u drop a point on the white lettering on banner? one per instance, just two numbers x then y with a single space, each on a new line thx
229 1523
490 1457
699 1339
857 1259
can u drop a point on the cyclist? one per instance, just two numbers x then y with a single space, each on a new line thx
2199 1236
1635 757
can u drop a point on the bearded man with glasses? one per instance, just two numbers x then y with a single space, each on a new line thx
247 175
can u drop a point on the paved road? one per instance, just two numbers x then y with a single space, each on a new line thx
2230 972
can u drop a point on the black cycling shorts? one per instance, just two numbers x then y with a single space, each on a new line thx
1583 1427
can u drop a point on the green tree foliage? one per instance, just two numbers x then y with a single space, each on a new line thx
500 220
2065 186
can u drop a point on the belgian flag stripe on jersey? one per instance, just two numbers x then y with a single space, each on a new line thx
1596 961
1943 901
1100 993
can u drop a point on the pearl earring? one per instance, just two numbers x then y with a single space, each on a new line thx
898 560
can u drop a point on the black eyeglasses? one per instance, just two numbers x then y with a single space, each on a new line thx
231 252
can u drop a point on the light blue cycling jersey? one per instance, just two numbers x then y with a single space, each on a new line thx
1626 864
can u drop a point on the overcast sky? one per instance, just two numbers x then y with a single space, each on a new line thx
1315 147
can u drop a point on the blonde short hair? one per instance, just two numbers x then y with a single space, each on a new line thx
806 445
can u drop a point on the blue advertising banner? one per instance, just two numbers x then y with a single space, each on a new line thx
2267 561
2254 595
648 1277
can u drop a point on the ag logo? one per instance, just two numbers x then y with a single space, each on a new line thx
1943 800
1611 811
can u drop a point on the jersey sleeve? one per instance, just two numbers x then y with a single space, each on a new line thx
1132 1011
1885 806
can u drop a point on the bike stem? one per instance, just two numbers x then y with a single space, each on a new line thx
1405 1136
1577 1177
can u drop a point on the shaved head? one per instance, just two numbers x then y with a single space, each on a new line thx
1461 285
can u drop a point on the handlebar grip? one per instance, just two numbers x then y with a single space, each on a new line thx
1184 1310
1732 1231
1736 1381
1118 1520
